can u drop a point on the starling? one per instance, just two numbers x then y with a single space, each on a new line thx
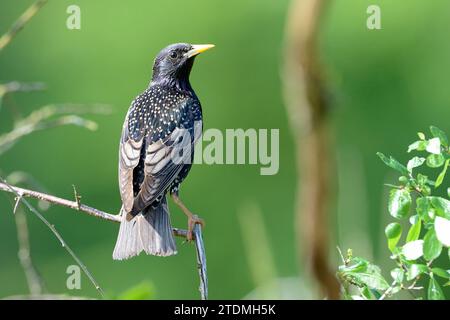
156 153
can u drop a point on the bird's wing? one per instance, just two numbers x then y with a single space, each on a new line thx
163 161
129 154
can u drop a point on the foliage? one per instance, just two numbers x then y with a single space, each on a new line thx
412 203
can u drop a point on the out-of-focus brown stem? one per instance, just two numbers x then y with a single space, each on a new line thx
307 104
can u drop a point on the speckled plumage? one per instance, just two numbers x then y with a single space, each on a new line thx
155 115
155 128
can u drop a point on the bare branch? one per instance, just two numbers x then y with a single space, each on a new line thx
201 262
20 23
56 233
59 201
72 205
78 206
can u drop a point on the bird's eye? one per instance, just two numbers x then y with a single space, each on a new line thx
173 54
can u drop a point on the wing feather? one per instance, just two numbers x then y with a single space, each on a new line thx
129 155
164 160
165 155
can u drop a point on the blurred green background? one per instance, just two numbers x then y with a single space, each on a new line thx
387 85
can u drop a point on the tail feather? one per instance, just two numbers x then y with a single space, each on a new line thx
149 231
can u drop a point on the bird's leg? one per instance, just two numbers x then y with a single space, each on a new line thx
193 219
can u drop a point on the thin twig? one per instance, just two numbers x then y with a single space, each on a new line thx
21 22
201 262
48 117
59 201
14 86
16 204
77 197
200 248
388 291
34 280
73 205
56 233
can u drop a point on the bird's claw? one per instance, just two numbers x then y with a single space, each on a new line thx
192 221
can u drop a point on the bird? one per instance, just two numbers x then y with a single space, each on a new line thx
156 152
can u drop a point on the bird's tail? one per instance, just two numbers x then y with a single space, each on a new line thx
149 231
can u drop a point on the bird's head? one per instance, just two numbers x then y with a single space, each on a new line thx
174 63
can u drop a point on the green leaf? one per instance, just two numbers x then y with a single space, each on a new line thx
417 145
393 233
413 219
441 205
394 164
442 229
372 280
421 135
422 208
414 163
441 176
370 276
432 247
414 231
434 146
366 293
376 294
422 179
441 273
413 250
399 203
435 291
415 270
438 133
356 265
435 160
397 274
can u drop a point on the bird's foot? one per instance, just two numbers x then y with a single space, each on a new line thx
192 221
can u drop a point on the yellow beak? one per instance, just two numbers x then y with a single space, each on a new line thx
198 48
